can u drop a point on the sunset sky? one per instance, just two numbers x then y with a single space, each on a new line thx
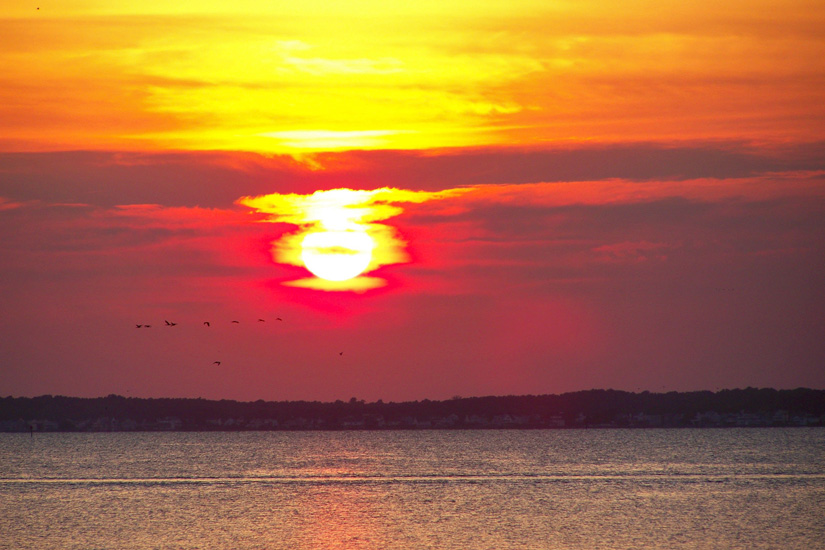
554 196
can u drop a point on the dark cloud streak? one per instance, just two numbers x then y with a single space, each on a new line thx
217 179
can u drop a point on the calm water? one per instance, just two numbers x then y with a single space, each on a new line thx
577 489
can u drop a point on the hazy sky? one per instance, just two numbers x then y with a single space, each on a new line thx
574 196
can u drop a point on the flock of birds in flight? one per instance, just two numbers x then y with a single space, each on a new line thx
208 324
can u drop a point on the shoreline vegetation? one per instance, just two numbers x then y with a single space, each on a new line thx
749 407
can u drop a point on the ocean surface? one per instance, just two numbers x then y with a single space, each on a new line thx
746 488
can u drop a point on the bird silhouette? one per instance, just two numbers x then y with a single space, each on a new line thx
340 353
262 320
138 326
217 363
236 322
168 324
147 326
278 319
207 323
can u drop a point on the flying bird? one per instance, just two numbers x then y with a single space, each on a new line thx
138 326
278 319
236 322
168 324
207 323
340 353
217 363
262 320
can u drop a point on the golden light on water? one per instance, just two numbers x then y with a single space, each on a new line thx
339 238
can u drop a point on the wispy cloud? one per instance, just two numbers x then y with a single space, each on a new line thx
437 74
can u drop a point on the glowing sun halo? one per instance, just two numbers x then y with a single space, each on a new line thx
339 238
337 255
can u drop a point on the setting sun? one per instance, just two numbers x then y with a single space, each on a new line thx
339 237
337 255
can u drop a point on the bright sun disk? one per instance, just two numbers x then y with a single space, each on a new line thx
337 255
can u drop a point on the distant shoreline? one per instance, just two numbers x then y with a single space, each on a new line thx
416 429
589 409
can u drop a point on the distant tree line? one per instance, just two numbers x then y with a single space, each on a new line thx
575 409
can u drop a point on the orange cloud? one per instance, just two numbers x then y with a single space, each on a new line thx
272 77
